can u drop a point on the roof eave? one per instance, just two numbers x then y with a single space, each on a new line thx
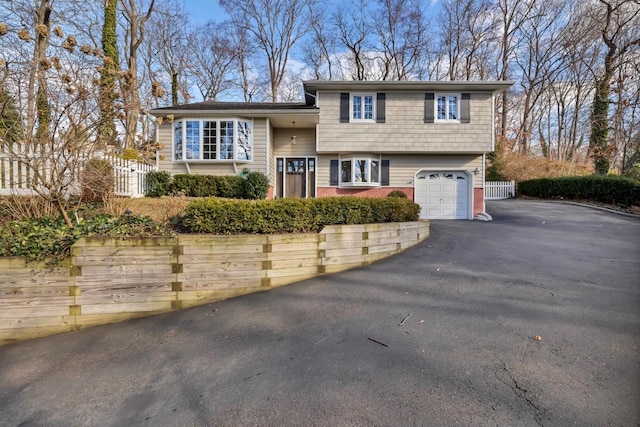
243 112
495 87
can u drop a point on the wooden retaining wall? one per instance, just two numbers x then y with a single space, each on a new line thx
111 280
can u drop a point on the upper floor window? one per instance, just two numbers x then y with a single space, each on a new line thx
210 139
362 107
447 107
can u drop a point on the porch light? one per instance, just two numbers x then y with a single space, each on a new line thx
476 171
294 138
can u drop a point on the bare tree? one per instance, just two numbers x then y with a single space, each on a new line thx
353 27
134 27
401 30
167 47
276 26
50 156
619 24
319 50
539 59
512 14
212 54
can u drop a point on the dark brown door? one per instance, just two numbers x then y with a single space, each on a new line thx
296 178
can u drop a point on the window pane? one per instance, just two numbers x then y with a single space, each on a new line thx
357 107
453 108
193 139
442 108
368 107
226 140
375 171
244 141
345 168
209 132
361 171
177 140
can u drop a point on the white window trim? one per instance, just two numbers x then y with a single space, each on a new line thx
353 158
435 107
201 121
373 106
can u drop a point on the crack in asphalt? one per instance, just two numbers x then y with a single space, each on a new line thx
518 390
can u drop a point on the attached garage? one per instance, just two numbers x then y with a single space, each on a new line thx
444 194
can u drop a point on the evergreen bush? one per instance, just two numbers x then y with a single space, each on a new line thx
397 193
256 186
603 189
220 216
158 183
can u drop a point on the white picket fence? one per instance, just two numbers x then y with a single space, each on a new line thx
497 190
18 177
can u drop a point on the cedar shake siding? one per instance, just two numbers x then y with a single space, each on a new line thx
404 128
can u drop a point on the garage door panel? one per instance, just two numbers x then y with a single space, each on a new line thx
442 194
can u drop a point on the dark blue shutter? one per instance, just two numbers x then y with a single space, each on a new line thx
333 172
384 173
344 108
465 108
380 107
429 115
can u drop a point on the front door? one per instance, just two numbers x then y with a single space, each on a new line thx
296 178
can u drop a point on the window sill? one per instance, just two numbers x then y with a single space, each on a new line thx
360 185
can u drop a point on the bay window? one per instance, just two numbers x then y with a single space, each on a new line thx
359 171
212 140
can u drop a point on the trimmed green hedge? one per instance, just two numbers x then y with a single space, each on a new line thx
603 189
254 185
292 215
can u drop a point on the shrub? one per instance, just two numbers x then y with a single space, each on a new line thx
158 183
604 189
230 186
227 186
194 185
292 215
48 238
256 185
397 193
97 180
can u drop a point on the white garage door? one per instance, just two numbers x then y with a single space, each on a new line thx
442 195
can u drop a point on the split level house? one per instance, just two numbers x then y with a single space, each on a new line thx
361 138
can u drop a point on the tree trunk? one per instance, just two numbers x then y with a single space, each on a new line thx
38 109
107 129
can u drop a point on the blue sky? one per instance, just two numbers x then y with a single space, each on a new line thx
203 11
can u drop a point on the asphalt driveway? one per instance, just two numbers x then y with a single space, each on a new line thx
442 334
